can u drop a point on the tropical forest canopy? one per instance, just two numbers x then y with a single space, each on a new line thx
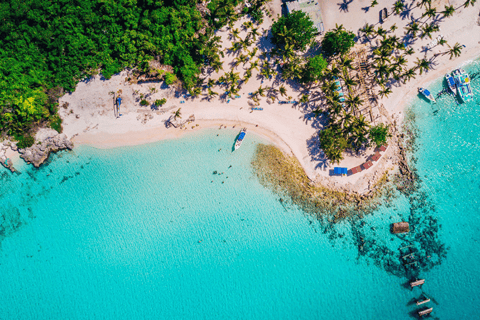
47 46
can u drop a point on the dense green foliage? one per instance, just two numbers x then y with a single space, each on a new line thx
337 41
160 102
47 46
313 69
295 29
379 134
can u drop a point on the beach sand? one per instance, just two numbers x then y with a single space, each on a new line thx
89 117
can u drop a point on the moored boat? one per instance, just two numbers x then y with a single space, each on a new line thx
451 83
464 88
427 94
240 138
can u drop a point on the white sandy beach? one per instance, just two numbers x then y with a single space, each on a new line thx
90 118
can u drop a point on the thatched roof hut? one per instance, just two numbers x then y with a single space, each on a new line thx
400 227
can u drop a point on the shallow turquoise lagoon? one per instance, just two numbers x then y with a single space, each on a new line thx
149 232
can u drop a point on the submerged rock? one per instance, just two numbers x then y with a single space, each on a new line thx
46 142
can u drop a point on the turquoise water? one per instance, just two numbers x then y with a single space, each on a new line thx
149 232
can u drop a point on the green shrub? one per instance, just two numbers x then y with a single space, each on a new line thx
379 134
170 78
144 102
24 141
160 102
56 123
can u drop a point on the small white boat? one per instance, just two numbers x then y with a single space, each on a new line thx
451 83
427 94
240 138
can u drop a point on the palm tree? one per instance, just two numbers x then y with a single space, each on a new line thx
304 99
422 65
381 32
368 30
247 25
469 3
374 3
408 75
329 87
252 53
217 65
383 70
210 82
354 102
413 28
384 92
455 51
235 33
398 7
211 93
427 31
253 65
177 114
254 33
349 82
424 3
393 28
448 12
282 90
347 62
260 91
430 13
317 112
409 51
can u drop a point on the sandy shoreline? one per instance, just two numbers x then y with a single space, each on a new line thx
89 119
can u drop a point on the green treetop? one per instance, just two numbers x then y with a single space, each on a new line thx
338 41
313 69
295 29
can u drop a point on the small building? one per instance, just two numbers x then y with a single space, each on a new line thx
311 8
400 227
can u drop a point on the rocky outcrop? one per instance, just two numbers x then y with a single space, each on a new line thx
46 142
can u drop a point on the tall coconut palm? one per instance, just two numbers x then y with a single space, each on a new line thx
424 3
409 51
253 65
448 12
211 93
469 3
422 65
347 62
254 33
252 53
381 32
408 75
349 82
234 34
398 7
210 82
177 114
385 92
455 51
354 102
216 64
368 30
413 28
427 31
329 87
260 91
430 13
282 90
304 99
